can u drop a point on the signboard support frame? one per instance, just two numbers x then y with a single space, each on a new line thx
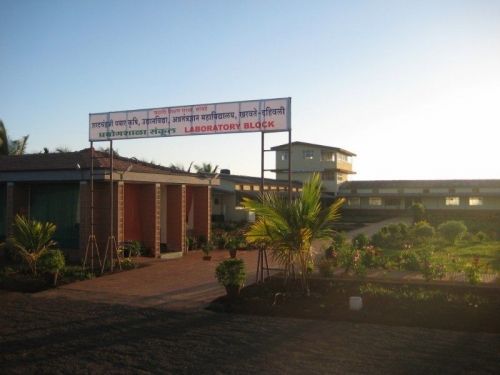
111 245
91 241
262 263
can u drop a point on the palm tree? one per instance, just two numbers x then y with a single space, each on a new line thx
180 167
289 227
32 239
11 147
4 141
206 168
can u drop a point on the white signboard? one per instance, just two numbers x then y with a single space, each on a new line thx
266 115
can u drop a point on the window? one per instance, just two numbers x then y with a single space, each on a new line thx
375 201
452 201
284 155
327 156
354 201
344 158
475 201
341 178
308 154
247 187
328 175
393 202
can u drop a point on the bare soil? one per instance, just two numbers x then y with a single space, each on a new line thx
454 307
62 336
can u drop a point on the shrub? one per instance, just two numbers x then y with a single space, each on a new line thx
393 236
481 236
409 260
371 257
77 273
339 240
51 263
473 271
326 267
452 230
128 264
417 212
132 249
423 232
360 241
31 239
351 259
231 274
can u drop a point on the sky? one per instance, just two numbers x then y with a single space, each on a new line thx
411 87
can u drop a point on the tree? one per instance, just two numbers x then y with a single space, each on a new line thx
9 146
180 167
32 239
289 227
452 230
417 212
206 168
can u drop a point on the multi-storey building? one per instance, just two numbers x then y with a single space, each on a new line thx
433 194
332 163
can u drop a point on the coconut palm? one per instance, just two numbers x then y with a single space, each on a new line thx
4 141
289 227
206 168
11 147
32 239
180 167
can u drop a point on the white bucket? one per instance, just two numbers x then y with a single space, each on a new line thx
355 303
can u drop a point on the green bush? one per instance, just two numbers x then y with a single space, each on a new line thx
473 271
128 264
371 257
339 240
417 212
77 273
360 241
423 232
409 260
351 259
326 267
452 230
51 263
393 236
481 237
231 272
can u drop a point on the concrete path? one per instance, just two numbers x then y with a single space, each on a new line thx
187 283
372 228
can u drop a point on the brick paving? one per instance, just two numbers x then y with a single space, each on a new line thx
187 283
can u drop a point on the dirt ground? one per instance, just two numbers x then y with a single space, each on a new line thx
58 335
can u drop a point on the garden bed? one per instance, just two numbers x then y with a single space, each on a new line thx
462 308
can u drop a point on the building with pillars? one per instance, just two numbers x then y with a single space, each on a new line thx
228 195
151 204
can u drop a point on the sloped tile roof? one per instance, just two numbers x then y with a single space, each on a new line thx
71 161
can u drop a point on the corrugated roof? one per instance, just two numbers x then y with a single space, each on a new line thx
285 147
71 161
254 180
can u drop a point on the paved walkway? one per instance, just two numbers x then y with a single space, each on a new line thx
187 283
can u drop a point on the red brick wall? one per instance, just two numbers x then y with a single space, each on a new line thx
141 215
202 211
176 217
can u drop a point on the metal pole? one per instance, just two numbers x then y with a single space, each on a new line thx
290 165
262 163
91 188
111 233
